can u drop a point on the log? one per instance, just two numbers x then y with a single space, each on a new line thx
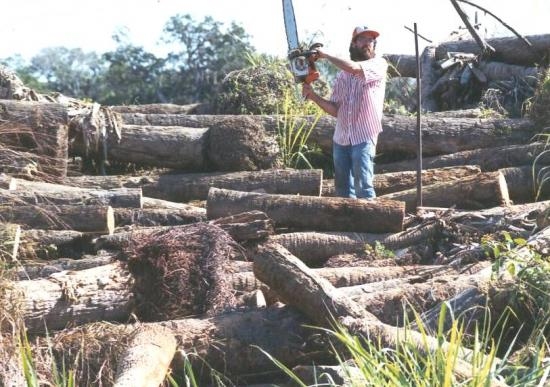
73 297
155 108
53 244
309 212
242 227
485 190
169 147
220 343
488 159
150 217
401 65
520 184
179 187
399 132
94 219
40 193
10 240
498 71
428 79
346 278
38 128
508 49
386 183
35 269
300 287
146 360
314 248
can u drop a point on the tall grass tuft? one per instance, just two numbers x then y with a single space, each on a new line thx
293 134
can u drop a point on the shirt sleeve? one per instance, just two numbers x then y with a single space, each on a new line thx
374 69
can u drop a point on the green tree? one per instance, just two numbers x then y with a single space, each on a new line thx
132 75
203 54
71 72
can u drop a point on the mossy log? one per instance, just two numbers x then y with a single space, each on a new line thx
309 212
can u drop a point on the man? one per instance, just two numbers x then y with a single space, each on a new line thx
357 102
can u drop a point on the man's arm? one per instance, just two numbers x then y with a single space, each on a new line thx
328 106
346 65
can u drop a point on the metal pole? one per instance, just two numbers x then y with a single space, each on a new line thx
418 124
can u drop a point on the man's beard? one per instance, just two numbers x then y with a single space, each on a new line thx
357 54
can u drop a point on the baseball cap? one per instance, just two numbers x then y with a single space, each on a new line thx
364 30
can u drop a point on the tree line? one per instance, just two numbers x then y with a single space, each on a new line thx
201 54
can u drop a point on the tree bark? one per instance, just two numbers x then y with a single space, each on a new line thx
508 50
428 79
95 219
170 147
488 159
38 128
309 212
321 302
521 185
53 244
399 132
29 270
314 248
101 293
147 358
179 187
485 190
150 217
385 183
39 193
10 240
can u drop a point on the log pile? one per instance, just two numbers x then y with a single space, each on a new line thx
218 251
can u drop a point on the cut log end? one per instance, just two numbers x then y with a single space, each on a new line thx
504 190
110 220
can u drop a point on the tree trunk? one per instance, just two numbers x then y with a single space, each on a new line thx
10 240
195 186
309 212
95 219
428 79
498 71
150 217
101 293
488 159
508 50
485 190
401 65
386 183
146 360
399 132
39 193
314 248
38 128
168 147
53 244
521 186
348 277
300 287
220 343
29 270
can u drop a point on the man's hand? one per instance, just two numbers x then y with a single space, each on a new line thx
307 91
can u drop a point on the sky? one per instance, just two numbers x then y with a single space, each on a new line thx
27 26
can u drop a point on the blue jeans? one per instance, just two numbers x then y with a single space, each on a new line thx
354 170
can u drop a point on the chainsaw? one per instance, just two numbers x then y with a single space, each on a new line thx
302 60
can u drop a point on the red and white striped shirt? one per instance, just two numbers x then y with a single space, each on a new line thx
361 102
